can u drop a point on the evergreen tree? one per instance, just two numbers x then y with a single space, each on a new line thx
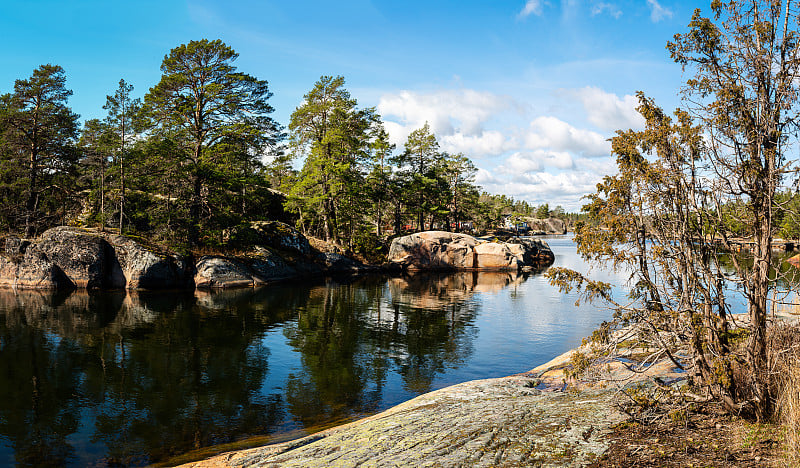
335 138
121 111
96 144
202 100
38 130
418 166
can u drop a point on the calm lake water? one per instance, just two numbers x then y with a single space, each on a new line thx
107 379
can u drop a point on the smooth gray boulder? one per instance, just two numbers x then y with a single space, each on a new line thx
213 272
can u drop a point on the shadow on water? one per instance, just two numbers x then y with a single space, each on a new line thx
132 379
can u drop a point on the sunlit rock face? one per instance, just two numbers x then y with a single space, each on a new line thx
32 270
434 250
439 250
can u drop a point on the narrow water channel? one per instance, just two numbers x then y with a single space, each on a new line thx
109 379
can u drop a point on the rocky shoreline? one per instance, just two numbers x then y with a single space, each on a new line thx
69 258
537 418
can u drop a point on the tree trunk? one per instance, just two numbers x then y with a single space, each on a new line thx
30 205
194 211
122 191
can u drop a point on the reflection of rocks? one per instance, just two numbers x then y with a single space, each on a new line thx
440 250
80 313
433 291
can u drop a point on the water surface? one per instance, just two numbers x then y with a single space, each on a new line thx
106 379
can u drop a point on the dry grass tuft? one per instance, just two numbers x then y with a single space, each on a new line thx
784 358
789 414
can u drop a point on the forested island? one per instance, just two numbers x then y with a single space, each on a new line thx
199 158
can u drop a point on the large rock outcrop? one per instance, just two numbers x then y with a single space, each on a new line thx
547 225
32 270
273 234
440 250
66 257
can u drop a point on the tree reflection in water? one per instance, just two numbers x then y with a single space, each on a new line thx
130 379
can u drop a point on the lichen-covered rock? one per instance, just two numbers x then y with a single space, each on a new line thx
16 246
504 422
281 236
266 265
81 255
66 257
323 246
32 271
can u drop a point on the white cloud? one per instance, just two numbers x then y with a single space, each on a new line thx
484 177
610 8
446 111
524 162
553 134
564 189
540 158
609 112
487 143
520 163
658 12
532 7
456 117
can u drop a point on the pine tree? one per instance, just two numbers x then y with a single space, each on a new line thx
38 131
202 100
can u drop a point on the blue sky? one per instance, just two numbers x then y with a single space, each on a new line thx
530 89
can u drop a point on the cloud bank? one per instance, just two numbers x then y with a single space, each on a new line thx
553 157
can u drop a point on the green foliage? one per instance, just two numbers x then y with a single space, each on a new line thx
543 211
200 154
220 119
690 183
38 132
